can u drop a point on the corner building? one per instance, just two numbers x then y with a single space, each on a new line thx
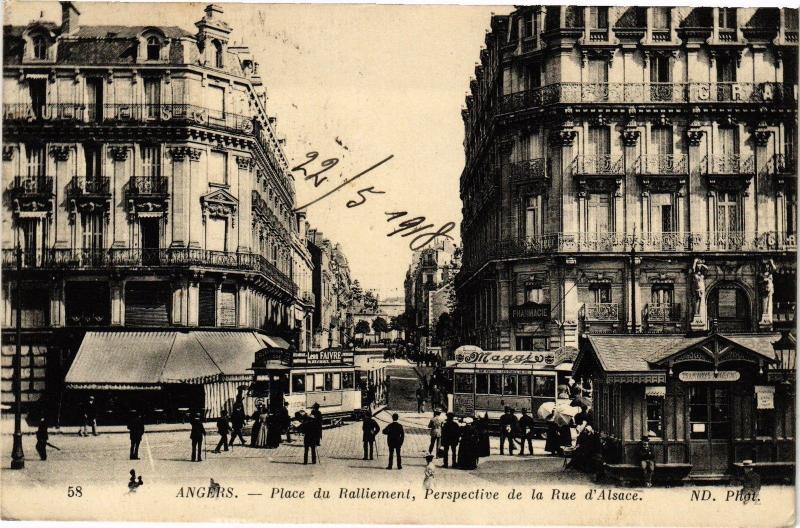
630 169
148 191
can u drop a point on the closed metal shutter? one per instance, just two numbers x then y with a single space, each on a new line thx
207 315
227 306
147 303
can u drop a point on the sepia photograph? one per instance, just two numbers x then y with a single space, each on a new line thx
399 264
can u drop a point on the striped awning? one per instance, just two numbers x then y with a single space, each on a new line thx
146 360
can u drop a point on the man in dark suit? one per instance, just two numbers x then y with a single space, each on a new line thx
237 421
451 432
526 424
223 428
136 429
369 428
508 430
197 435
312 430
286 421
394 439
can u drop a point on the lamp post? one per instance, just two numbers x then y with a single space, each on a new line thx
786 354
17 454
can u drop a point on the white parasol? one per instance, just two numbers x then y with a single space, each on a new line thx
564 413
545 410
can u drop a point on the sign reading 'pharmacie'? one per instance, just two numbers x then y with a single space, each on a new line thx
480 357
530 312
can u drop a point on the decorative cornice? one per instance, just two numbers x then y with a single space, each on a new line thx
118 152
60 152
245 162
694 134
562 137
630 135
180 153
8 152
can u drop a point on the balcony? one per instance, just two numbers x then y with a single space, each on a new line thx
662 165
528 170
601 312
121 258
663 313
603 165
598 35
31 186
89 186
148 186
661 35
783 165
667 92
728 171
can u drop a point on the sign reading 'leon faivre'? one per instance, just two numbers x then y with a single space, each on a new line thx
509 358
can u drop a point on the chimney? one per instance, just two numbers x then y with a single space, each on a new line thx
69 17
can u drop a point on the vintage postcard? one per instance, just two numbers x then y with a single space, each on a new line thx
399 264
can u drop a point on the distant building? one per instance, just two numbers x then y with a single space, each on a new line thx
331 285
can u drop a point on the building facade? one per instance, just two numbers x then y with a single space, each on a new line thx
303 275
629 169
331 286
146 188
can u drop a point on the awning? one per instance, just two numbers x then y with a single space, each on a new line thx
147 360
274 341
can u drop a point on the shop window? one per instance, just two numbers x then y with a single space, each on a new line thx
510 385
481 384
524 384
655 413
464 383
544 386
34 307
347 380
765 422
709 416
298 383
496 384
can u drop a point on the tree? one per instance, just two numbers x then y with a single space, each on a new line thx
379 325
362 327
356 292
370 301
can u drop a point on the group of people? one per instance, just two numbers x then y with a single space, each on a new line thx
395 436
513 431
433 389
463 444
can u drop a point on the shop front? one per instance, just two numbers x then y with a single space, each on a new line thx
707 402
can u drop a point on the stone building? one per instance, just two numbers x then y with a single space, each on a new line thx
331 286
148 192
629 169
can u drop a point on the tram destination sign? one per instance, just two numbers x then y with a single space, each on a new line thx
538 359
708 375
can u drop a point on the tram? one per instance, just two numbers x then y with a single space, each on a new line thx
486 382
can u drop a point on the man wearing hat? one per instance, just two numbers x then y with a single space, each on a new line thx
369 428
451 432
197 436
89 418
647 460
525 432
508 430
394 440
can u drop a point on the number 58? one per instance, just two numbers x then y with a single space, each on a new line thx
74 491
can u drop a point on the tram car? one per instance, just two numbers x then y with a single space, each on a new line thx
486 382
371 380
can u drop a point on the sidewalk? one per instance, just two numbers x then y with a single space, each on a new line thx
7 428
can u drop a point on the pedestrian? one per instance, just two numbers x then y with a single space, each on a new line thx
89 418
526 424
435 426
369 428
420 400
42 437
647 460
237 421
286 421
508 430
197 436
263 427
468 446
751 482
552 444
274 430
582 418
223 428
427 483
317 415
394 439
256 428
310 438
451 432
136 431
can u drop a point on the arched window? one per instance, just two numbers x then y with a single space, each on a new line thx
217 54
39 47
729 305
153 48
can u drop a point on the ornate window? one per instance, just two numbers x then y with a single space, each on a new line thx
153 48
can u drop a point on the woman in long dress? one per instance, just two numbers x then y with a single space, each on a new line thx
468 447
483 436
263 419
256 426
552 444
273 431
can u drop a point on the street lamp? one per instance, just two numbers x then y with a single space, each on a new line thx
17 454
786 354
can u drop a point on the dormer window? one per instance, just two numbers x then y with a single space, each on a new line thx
40 47
153 48
218 62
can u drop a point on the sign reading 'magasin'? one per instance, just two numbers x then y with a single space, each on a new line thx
476 356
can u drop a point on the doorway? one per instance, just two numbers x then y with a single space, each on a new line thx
94 87
709 428
150 240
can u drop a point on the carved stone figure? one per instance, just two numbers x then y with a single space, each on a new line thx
767 290
699 283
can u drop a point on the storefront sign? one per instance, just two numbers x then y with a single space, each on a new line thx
324 357
540 359
708 375
765 396
530 312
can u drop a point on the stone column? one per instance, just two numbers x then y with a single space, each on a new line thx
117 287
571 304
121 170
60 155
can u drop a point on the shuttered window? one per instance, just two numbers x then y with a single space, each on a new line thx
208 308
147 304
151 161
227 306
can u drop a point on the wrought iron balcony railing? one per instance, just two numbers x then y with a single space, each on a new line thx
148 185
658 92
93 185
603 312
722 164
663 312
530 169
38 185
52 258
598 165
661 35
782 164
666 164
